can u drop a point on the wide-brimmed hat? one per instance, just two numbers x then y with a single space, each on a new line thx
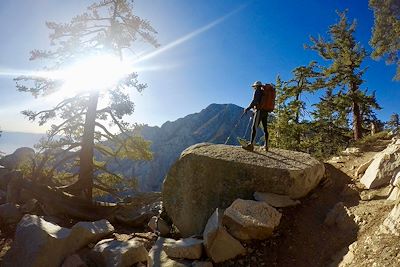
256 83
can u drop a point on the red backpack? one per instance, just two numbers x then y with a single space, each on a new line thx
268 98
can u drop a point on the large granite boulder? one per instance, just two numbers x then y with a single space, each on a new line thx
210 176
40 243
383 167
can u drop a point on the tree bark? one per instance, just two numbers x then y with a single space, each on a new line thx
86 166
356 115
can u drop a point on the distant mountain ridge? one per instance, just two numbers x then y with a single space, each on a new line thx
213 124
10 141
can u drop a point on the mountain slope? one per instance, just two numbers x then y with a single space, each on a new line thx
212 124
10 141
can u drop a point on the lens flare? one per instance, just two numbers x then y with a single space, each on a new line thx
93 73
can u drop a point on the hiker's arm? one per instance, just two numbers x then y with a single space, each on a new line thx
256 99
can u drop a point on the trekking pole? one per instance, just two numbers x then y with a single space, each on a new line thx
247 128
234 128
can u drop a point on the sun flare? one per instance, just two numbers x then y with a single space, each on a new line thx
93 73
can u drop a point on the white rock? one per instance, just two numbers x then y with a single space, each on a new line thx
337 160
187 248
41 243
396 179
248 219
391 225
275 200
220 246
394 194
363 167
382 167
158 257
115 253
351 151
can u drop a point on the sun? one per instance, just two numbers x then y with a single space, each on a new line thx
98 72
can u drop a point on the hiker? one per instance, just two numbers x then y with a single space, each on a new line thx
262 103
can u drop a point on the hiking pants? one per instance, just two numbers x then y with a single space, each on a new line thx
259 116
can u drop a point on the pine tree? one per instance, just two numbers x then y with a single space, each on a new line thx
107 27
385 34
289 124
345 56
394 122
329 129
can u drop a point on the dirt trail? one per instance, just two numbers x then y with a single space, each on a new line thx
303 239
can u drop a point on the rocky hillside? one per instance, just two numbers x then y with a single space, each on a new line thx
213 124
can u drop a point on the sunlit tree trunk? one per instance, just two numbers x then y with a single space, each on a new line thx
86 153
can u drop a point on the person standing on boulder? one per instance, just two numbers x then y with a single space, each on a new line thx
262 103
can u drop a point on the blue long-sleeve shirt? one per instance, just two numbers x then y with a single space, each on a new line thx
258 93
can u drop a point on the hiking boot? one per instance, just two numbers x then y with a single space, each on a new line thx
266 148
248 147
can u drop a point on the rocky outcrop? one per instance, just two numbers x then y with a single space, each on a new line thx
391 225
209 176
116 253
17 159
41 243
248 219
219 244
383 167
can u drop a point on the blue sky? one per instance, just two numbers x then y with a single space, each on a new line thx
261 40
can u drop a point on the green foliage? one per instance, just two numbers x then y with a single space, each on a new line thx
288 125
394 122
329 132
344 71
81 130
385 34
